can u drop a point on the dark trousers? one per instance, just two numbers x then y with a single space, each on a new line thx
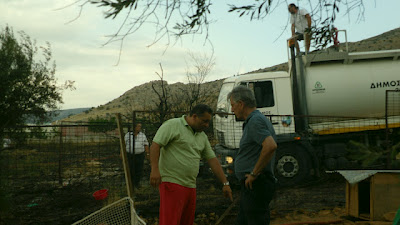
254 203
136 163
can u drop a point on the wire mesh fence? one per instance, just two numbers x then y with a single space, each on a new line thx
61 154
44 168
392 103
392 116
49 173
334 142
49 170
228 130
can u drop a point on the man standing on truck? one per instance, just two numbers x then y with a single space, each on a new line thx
175 157
301 26
255 159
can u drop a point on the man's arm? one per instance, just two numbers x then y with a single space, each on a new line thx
219 173
293 29
155 177
268 148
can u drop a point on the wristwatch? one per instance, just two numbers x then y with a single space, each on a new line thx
253 174
226 183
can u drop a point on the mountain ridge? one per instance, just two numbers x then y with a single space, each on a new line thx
142 97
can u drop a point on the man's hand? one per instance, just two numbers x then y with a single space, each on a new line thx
227 192
155 178
249 181
218 172
267 152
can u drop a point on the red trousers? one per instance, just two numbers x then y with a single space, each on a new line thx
177 204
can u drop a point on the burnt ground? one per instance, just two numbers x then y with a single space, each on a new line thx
47 205
322 199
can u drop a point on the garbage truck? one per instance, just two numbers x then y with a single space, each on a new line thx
324 101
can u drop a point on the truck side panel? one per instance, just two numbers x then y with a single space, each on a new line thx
356 89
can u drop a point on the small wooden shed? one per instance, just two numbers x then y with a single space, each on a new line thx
372 194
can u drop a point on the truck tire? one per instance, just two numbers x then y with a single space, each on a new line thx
292 165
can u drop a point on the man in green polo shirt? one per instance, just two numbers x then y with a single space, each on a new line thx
175 154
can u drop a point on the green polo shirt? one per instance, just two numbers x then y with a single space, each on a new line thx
181 151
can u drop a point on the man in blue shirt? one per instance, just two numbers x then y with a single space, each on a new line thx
255 159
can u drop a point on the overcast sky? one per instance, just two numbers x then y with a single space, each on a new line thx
240 45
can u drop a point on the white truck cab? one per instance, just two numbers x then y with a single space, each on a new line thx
273 96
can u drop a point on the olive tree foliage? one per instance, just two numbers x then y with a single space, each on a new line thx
176 18
322 12
28 86
169 18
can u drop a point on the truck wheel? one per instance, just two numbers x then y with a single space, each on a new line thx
292 165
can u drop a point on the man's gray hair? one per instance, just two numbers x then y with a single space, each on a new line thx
244 94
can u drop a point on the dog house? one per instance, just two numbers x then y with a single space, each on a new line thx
372 194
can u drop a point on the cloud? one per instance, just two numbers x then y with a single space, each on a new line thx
80 55
239 45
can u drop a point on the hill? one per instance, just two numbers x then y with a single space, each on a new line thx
142 97
62 114
58 115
